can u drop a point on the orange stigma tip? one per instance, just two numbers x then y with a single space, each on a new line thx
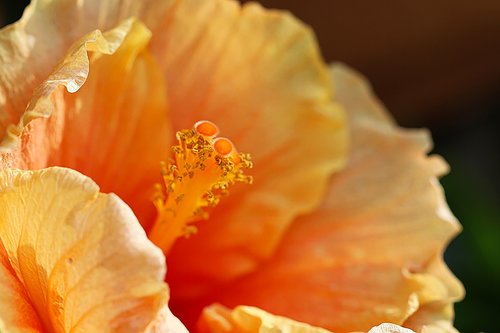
206 128
223 146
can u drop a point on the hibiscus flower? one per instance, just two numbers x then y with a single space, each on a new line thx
336 221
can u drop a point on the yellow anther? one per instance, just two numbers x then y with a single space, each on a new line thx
200 173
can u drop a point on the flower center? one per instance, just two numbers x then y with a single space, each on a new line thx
202 169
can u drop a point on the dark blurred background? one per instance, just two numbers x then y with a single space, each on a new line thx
435 64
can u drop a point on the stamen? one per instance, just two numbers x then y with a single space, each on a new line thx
202 169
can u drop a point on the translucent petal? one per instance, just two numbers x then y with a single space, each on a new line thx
114 129
372 252
259 76
81 259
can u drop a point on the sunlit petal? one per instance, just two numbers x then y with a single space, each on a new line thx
80 257
272 98
166 322
433 318
70 72
390 328
282 90
246 319
16 311
371 249
113 129
31 48
258 75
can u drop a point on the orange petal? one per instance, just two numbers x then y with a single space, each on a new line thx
271 96
113 129
71 72
259 76
166 322
246 319
16 312
389 328
440 290
81 257
369 254
31 48
433 319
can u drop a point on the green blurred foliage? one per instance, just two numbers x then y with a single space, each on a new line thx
472 191
473 256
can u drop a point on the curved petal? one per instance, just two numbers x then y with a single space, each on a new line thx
219 319
389 328
259 76
263 65
433 319
441 289
166 322
16 312
438 290
278 83
83 260
33 46
114 128
369 254
70 72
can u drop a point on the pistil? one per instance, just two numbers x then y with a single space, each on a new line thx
203 167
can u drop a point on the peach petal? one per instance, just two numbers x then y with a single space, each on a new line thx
259 76
278 88
31 48
246 319
16 312
26 144
166 322
71 73
372 253
81 257
389 328
113 129
433 318
116 128
435 315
